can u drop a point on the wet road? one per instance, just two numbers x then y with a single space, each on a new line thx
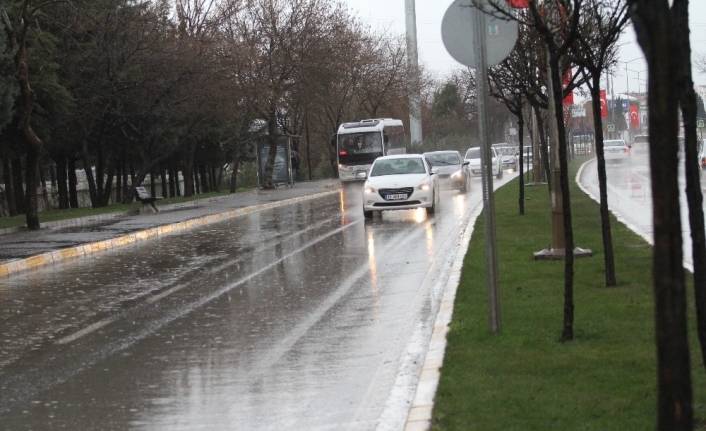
300 317
630 194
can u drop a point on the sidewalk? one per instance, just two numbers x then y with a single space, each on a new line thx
23 249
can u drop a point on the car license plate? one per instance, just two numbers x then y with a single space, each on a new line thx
397 197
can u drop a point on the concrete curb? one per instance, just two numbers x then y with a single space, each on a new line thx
420 412
17 266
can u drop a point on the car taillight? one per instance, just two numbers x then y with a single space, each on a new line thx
703 160
626 150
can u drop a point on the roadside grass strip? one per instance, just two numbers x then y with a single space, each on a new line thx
524 378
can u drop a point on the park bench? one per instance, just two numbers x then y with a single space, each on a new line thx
147 200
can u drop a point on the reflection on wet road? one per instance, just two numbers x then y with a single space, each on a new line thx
299 317
630 194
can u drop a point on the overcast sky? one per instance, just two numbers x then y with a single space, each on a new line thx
389 15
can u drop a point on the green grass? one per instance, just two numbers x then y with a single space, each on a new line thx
55 215
525 378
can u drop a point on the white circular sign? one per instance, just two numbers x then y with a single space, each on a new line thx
459 39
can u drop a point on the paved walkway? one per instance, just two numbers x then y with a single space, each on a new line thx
22 249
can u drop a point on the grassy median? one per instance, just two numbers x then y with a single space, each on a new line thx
525 378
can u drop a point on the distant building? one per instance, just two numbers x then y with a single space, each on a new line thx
701 91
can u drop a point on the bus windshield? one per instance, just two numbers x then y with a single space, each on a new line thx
359 148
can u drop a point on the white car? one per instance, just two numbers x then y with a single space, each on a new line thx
473 156
400 182
616 150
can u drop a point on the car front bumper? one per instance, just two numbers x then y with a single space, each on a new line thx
417 199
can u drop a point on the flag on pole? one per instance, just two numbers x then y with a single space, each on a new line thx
604 105
518 4
634 116
566 80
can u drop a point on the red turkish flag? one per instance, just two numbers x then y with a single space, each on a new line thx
566 80
604 105
518 4
634 116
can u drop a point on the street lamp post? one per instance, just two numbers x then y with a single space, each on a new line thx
627 80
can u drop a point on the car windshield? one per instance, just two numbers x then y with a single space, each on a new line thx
473 153
399 166
614 143
443 159
505 151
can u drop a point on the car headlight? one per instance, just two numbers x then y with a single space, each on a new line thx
368 189
424 186
457 174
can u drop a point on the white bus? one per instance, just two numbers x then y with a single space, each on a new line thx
359 143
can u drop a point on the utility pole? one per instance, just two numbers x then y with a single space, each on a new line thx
415 98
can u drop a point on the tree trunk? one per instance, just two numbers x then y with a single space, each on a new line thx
62 182
119 169
520 127
234 174
163 177
568 326
609 259
31 179
108 188
205 186
654 27
217 178
73 182
188 168
88 169
543 152
687 98
100 169
153 185
18 182
197 183
9 188
173 179
125 186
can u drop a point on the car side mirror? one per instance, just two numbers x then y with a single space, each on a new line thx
434 170
386 138
466 162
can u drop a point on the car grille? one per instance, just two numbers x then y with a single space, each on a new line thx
403 190
396 203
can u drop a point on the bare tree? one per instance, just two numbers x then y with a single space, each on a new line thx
595 50
655 24
18 23
688 103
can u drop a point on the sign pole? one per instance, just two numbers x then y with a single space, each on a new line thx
491 259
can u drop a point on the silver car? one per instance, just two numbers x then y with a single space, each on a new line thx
451 169
508 157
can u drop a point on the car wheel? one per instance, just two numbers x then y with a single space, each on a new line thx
432 208
367 214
